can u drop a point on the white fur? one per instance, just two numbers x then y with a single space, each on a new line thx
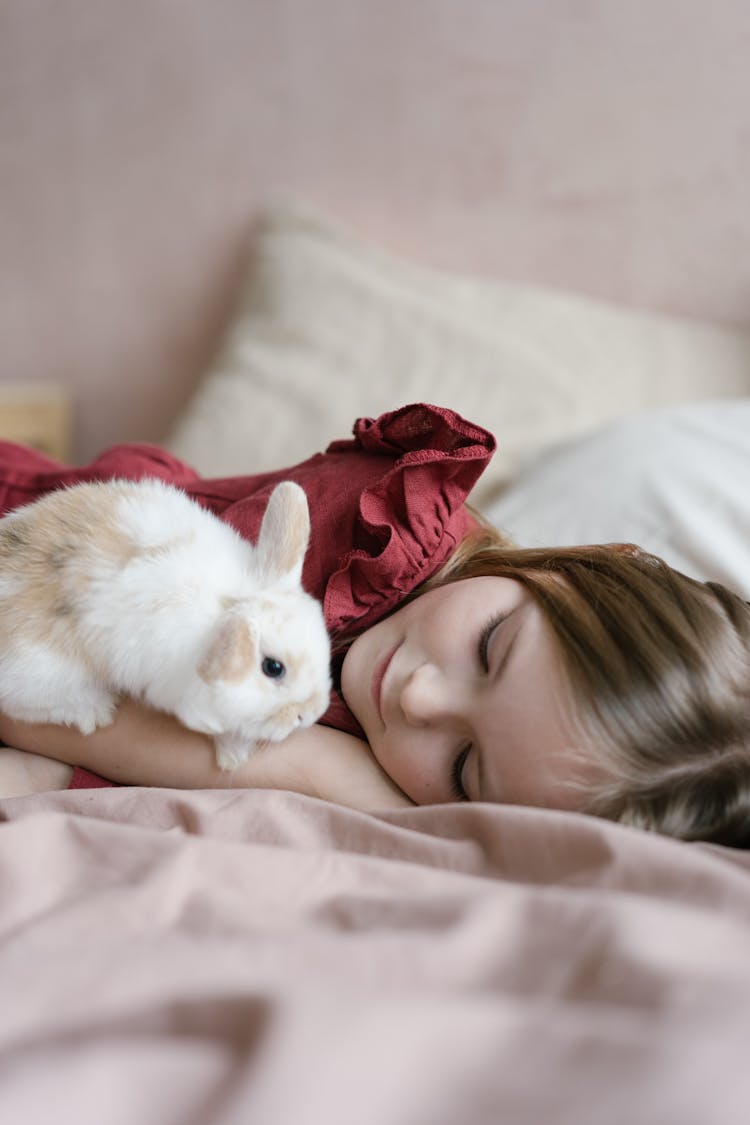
131 588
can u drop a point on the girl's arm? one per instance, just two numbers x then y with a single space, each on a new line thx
145 747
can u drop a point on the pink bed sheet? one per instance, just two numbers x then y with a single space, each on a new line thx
264 957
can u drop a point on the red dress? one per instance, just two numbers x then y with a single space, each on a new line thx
386 509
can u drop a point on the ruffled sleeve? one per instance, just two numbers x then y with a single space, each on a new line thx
409 519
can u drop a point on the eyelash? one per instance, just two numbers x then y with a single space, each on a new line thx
457 789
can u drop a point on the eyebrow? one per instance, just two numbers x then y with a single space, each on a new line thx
496 676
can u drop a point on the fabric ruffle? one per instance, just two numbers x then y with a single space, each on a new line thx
409 521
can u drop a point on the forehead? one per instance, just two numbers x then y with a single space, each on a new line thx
467 597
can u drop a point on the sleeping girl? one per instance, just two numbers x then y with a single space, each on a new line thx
592 679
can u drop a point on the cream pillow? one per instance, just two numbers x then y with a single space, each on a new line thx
329 328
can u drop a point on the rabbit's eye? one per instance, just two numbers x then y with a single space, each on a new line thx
274 669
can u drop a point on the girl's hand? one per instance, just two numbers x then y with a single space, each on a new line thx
22 773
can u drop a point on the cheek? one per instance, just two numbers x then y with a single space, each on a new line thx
411 760
354 679
357 672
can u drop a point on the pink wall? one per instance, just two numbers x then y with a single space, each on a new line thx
594 144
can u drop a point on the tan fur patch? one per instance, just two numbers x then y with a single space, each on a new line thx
232 655
49 551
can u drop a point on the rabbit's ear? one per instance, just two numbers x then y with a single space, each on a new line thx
232 653
284 535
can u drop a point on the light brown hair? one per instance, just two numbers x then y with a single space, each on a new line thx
659 664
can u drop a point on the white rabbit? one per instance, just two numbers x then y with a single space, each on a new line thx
131 588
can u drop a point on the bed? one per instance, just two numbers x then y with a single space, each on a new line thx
170 956
224 957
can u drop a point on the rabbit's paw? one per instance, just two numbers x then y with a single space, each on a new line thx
232 751
88 717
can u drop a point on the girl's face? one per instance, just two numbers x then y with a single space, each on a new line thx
462 695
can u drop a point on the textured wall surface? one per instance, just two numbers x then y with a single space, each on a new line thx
590 144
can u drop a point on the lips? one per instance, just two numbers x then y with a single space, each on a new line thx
377 680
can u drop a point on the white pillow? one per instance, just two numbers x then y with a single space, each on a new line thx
329 328
677 482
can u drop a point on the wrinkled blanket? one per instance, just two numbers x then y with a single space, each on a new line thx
264 957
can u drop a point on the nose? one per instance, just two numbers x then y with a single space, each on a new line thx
426 698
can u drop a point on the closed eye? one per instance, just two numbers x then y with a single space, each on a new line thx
457 786
458 790
485 638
